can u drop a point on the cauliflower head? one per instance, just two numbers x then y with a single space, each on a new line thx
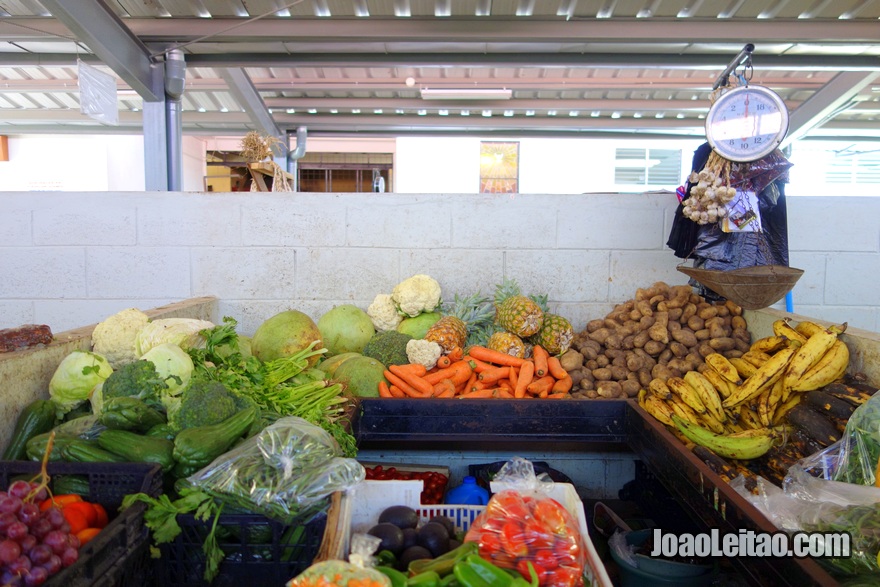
423 352
383 313
115 337
416 294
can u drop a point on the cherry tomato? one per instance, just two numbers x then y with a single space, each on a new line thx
87 510
545 559
101 513
513 540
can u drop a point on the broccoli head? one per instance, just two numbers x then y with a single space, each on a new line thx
388 347
206 402
139 380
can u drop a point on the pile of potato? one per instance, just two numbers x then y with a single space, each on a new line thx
664 331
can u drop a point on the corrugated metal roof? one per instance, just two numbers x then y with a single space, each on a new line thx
357 66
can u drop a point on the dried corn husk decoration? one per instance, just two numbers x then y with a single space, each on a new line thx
256 148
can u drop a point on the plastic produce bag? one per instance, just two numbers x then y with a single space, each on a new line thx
97 91
281 472
859 450
358 572
522 525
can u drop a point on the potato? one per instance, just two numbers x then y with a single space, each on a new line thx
613 324
640 339
594 325
738 322
733 354
645 322
696 323
735 310
634 362
587 374
591 364
589 352
619 361
722 343
687 312
603 361
678 349
741 345
602 374
614 341
658 332
695 359
742 334
702 334
644 309
722 310
600 335
661 372
674 315
679 296
592 394
707 313
634 315
647 359
576 376
627 342
664 356
630 388
644 376
609 389
654 347
618 373
571 360
705 350
685 336
679 365
657 300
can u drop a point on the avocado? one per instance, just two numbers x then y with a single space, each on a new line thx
413 553
409 537
447 522
434 537
391 536
400 515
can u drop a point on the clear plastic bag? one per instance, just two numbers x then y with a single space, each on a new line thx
859 447
523 526
281 472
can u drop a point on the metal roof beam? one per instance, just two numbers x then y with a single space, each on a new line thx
93 23
242 89
834 97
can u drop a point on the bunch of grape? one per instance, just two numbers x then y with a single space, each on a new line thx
34 544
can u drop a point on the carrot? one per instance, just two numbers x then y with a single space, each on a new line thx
444 361
540 356
458 371
526 372
479 394
555 367
514 376
472 380
383 390
480 366
396 391
484 354
541 384
403 385
504 383
504 393
446 388
544 394
494 374
456 354
562 385
558 395
417 382
416 369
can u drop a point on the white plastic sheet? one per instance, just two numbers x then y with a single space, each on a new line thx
97 91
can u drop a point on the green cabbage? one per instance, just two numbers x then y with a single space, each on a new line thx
184 332
75 378
173 364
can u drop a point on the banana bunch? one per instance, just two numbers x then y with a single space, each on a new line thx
733 404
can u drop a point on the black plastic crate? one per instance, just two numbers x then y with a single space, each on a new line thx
259 550
122 544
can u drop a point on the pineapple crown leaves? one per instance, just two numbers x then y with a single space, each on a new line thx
541 300
506 289
474 310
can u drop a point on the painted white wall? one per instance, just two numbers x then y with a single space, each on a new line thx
69 259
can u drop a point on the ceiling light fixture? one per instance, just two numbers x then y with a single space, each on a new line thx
466 94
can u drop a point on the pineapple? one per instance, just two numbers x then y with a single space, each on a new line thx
451 330
555 335
515 312
507 343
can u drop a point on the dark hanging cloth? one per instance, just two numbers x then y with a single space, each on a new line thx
712 248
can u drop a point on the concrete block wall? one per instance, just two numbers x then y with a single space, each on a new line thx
69 259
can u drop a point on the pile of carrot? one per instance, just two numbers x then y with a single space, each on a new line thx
480 374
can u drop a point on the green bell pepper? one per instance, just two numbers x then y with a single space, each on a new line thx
426 579
478 572
397 578
444 563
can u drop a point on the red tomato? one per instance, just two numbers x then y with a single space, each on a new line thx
563 577
523 567
545 559
513 540
537 535
101 513
552 515
87 510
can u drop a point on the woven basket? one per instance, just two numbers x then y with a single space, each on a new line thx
752 288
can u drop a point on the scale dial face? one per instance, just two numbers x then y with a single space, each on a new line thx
746 123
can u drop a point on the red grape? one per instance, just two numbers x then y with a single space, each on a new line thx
57 541
70 556
10 579
17 530
74 541
19 489
19 565
9 551
37 576
10 504
53 565
40 554
40 492
41 527
55 517
28 542
29 513
6 519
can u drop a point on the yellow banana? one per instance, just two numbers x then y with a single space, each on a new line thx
774 398
785 407
743 367
659 389
808 329
808 354
641 396
828 369
727 446
707 420
763 410
731 427
769 344
756 358
661 411
764 376
708 396
688 394
723 367
749 419
682 410
783 328
721 385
